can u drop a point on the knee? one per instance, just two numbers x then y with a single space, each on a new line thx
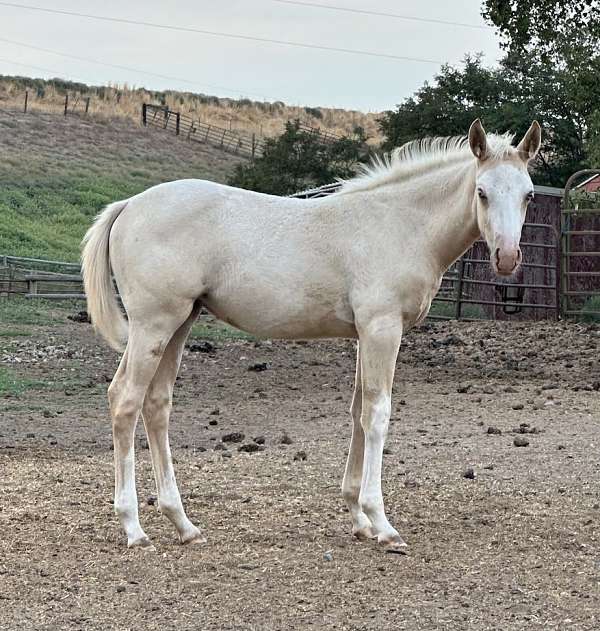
377 411
157 404
124 409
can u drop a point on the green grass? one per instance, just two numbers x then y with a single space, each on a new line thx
591 305
47 219
57 174
216 331
14 385
448 309
18 311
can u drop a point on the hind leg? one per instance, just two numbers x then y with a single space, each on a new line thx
147 341
361 526
155 412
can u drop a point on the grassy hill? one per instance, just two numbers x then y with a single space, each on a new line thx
56 173
242 115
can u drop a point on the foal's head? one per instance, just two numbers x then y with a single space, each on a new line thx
502 192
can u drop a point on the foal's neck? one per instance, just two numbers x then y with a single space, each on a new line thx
449 215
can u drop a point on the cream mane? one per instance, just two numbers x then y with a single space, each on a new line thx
420 156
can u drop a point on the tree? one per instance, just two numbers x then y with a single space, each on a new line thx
562 41
506 98
547 30
300 159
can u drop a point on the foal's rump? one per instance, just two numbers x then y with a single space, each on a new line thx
251 259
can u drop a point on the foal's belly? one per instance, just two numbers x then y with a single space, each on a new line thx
283 315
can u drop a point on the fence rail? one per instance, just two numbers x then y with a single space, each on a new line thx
40 278
190 129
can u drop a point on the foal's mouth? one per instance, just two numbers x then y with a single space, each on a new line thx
505 271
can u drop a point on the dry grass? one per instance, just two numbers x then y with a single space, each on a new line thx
244 115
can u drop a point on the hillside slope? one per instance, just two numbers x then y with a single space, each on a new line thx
238 115
56 173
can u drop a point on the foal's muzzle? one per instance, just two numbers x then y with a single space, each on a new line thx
506 261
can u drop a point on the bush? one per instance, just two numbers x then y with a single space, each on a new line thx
298 160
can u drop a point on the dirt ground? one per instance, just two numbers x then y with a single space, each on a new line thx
513 546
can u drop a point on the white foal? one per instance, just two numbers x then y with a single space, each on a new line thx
363 263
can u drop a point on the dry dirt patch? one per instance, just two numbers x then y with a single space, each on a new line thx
514 548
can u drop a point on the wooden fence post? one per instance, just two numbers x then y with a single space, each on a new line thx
177 123
253 144
66 102
144 115
87 104
459 288
26 98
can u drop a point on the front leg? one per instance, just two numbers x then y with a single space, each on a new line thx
380 338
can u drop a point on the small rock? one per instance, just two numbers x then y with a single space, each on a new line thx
201 347
328 556
258 367
560 447
520 441
517 406
215 412
469 473
285 439
234 437
220 447
463 389
151 501
494 430
213 422
300 455
249 448
30 435
259 440
387 451
120 589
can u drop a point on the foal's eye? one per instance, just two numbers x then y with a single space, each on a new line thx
481 194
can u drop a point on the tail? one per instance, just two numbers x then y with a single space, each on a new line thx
103 307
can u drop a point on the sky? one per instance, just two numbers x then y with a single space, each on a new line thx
238 68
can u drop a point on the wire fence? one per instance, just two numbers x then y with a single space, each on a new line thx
245 145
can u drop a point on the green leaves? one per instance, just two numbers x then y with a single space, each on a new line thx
298 160
506 98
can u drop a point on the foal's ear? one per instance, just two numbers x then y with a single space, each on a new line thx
530 145
478 140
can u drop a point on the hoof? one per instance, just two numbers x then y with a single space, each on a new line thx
142 544
363 534
394 545
194 538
